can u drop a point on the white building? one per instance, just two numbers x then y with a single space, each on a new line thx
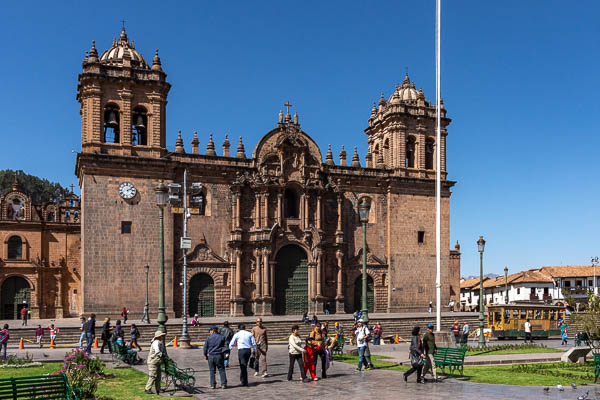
543 285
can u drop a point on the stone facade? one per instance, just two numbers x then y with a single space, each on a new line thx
39 258
277 230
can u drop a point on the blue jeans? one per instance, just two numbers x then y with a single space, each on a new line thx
361 356
81 337
376 339
216 361
90 339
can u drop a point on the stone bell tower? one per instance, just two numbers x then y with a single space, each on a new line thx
123 102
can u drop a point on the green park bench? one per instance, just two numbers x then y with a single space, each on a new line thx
451 358
121 353
181 378
37 387
596 366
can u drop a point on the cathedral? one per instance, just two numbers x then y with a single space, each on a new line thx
275 230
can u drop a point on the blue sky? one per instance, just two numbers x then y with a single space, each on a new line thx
518 82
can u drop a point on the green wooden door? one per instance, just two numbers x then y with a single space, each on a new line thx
358 294
14 294
202 296
291 281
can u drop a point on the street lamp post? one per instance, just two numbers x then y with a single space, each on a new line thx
363 212
161 201
506 284
594 263
146 315
185 337
481 248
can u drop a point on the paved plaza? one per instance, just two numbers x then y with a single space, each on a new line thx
344 383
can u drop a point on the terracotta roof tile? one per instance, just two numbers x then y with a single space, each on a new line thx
469 283
570 271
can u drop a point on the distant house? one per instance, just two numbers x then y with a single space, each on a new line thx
547 284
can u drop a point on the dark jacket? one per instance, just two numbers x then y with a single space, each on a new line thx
227 333
135 333
429 343
214 345
106 331
416 347
90 326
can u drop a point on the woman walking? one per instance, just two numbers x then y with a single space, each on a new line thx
105 335
313 344
295 354
135 335
416 355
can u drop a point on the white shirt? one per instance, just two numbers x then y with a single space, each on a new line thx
361 334
244 340
527 327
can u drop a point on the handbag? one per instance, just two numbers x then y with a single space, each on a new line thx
416 361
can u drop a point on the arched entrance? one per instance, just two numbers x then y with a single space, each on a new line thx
14 295
291 281
202 296
358 294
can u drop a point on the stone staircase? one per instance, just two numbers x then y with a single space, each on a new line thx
279 329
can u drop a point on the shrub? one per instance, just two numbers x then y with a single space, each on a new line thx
83 372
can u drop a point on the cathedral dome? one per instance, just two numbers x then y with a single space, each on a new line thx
405 93
123 49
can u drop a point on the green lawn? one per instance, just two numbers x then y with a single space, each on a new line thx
534 375
127 384
515 351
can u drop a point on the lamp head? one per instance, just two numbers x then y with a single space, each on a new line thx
162 194
481 244
363 209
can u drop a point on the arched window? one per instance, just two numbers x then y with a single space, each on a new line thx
429 146
410 152
111 124
15 248
290 204
139 124
50 216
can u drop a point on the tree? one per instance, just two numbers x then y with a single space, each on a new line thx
40 190
588 320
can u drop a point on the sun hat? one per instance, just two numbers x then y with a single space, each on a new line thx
158 334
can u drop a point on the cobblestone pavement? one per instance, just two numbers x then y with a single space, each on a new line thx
344 383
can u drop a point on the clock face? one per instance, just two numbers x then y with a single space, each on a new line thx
127 190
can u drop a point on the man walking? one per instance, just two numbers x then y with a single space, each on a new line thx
262 345
82 330
246 344
213 352
227 333
158 353
362 333
90 332
465 333
430 348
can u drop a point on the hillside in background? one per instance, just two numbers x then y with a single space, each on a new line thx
40 190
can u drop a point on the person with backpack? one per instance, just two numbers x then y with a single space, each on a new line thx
416 355
4 336
135 335
227 333
430 348
362 334
456 332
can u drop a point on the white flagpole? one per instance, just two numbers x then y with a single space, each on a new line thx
438 176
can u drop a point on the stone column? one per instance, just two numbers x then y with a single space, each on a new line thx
319 273
237 308
265 223
306 213
318 212
257 207
279 207
339 292
258 282
339 221
237 210
301 206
